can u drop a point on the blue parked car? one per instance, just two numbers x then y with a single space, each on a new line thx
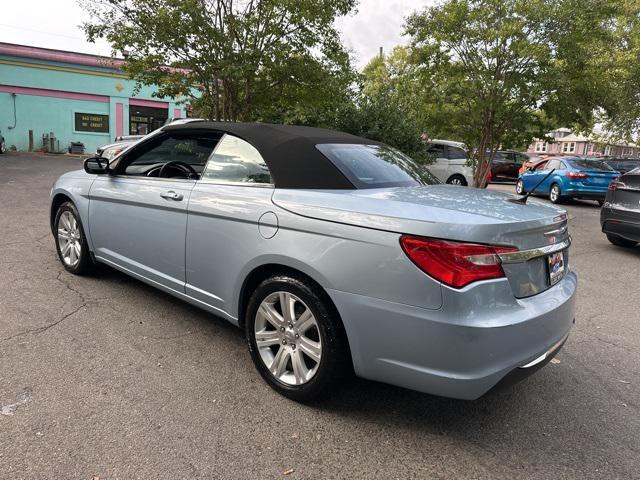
574 177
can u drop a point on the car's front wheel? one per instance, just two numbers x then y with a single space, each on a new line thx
621 242
71 243
295 338
520 188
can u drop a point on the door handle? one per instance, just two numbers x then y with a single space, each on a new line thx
171 195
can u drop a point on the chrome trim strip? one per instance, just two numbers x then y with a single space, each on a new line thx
554 233
525 255
543 357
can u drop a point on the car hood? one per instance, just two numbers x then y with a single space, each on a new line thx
442 211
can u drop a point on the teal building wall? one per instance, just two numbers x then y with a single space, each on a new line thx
42 95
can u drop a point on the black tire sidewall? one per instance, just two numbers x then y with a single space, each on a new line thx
85 260
332 365
463 181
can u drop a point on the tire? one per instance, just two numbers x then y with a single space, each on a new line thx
555 195
3 147
600 202
77 259
621 242
310 379
457 179
520 188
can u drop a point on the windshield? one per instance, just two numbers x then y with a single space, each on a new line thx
376 166
590 164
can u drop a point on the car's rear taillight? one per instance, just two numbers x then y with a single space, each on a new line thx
577 175
453 263
616 184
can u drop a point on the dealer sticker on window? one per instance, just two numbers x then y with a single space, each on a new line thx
556 267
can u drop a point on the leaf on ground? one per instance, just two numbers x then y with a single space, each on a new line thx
555 360
288 472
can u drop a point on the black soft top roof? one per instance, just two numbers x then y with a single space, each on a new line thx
289 150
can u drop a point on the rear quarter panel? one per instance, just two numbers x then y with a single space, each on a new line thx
224 245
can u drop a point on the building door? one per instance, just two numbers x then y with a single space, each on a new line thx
143 120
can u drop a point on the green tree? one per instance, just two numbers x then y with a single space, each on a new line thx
383 106
242 60
499 72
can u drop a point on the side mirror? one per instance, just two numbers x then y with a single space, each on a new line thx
96 165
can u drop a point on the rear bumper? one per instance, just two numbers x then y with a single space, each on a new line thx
462 350
623 223
594 193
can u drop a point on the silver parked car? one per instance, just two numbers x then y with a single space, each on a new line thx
334 253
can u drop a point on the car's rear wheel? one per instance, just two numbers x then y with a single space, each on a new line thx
621 242
457 180
3 147
555 195
295 338
71 243
520 188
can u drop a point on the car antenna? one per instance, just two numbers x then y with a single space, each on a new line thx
523 200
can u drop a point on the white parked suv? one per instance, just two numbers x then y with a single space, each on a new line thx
450 163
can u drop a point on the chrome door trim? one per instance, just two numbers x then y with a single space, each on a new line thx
525 255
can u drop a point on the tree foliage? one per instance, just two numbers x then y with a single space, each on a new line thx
498 72
382 106
234 60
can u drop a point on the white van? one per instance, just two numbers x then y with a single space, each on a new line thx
450 164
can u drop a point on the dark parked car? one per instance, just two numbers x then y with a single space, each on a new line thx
623 165
506 164
620 215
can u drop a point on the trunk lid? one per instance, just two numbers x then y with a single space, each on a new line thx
445 212
598 177
628 197
439 211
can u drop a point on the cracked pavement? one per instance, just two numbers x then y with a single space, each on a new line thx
104 376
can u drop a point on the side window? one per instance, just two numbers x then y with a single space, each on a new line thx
561 166
455 153
235 160
552 164
192 150
436 151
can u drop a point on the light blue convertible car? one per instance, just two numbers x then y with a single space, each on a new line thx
336 254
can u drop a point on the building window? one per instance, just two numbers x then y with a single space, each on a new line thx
568 147
541 146
607 151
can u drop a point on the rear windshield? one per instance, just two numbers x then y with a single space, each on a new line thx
376 166
590 164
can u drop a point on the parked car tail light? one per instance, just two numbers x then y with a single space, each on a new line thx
616 184
453 263
577 175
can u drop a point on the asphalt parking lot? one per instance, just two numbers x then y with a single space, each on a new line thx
105 377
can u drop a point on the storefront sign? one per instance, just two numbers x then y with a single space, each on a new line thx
91 122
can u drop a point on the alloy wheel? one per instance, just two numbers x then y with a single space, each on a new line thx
554 194
69 239
288 339
519 188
